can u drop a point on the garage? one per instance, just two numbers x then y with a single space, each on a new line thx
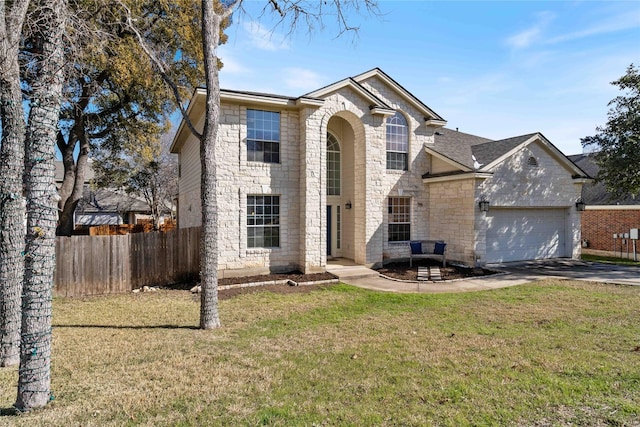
524 234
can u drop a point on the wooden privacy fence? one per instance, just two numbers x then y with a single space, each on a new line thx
96 265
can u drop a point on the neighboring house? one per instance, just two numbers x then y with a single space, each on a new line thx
104 205
359 168
604 216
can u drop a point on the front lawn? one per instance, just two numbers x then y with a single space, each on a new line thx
548 353
609 259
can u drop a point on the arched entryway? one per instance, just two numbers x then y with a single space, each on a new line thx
342 148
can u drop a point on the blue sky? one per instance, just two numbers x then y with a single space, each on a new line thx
493 69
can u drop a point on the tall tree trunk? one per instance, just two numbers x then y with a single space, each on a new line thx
75 172
34 378
209 316
12 207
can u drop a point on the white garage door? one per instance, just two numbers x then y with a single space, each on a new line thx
523 234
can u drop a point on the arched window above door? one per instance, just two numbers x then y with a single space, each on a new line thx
333 166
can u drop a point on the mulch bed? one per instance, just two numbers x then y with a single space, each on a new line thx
279 289
396 270
402 271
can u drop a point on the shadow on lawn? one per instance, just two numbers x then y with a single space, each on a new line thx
126 327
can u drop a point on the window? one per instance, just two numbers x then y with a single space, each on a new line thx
263 221
333 166
397 142
399 219
263 136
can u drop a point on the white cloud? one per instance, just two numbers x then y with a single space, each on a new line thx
531 35
231 64
302 79
263 38
612 24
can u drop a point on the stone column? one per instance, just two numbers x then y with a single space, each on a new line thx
313 239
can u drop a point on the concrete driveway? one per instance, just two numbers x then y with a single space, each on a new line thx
574 269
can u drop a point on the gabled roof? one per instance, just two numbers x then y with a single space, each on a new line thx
355 83
596 193
377 72
375 102
104 200
460 149
489 152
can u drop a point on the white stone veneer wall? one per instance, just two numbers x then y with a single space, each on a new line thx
516 184
391 183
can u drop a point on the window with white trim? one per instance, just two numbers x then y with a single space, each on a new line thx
397 142
263 136
263 221
333 166
399 219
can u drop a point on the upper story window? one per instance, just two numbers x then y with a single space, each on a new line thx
333 166
263 136
397 142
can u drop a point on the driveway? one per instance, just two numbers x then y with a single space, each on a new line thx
574 269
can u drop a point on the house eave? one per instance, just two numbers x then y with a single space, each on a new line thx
381 111
447 177
309 102
582 180
263 99
612 207
434 122
194 109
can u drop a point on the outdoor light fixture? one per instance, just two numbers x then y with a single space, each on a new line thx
580 205
348 205
484 204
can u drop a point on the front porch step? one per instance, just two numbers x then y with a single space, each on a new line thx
351 272
435 274
429 273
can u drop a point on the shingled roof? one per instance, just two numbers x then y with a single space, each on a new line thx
456 145
460 146
490 151
595 193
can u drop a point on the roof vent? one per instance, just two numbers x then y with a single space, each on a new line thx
532 162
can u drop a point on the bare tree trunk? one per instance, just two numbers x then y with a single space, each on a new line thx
75 171
12 207
209 316
34 378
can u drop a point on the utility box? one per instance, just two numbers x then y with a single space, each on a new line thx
633 234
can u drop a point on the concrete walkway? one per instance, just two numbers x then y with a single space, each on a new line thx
363 277
513 274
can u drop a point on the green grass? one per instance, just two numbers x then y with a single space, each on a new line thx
547 353
609 260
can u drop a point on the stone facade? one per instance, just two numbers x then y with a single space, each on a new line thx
354 224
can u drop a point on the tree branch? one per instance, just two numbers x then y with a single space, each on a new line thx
158 64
